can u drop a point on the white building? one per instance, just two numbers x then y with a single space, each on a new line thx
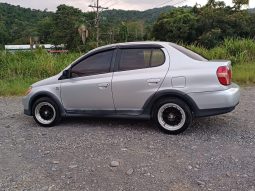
27 47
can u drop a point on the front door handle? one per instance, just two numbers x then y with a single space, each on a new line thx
153 81
103 85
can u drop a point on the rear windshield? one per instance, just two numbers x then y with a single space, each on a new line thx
188 52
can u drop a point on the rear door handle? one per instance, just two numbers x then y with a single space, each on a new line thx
103 85
153 81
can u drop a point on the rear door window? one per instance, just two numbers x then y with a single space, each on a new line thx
133 59
157 57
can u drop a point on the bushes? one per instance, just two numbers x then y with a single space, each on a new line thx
38 64
20 69
238 51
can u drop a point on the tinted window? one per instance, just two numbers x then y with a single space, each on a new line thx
188 52
96 64
132 59
157 57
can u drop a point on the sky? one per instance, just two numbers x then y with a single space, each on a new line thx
51 5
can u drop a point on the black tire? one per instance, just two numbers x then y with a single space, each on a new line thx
172 115
49 107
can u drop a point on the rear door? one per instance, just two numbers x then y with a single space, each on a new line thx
138 75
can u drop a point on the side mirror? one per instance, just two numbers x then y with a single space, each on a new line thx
65 75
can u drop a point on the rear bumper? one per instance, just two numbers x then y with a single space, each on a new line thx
217 102
217 99
212 112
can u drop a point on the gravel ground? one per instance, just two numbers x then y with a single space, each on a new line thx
216 153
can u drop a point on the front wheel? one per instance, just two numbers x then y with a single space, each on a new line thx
46 112
172 115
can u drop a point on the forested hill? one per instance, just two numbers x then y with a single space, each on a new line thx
24 14
149 16
18 23
11 13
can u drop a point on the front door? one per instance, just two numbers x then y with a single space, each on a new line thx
89 87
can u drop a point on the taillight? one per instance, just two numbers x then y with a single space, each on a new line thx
224 75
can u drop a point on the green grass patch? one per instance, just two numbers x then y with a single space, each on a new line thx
15 86
244 74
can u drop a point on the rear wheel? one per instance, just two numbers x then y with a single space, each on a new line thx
46 112
172 115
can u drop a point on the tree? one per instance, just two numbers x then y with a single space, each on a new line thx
123 32
3 34
177 25
66 22
239 3
208 25
214 24
135 30
252 27
45 29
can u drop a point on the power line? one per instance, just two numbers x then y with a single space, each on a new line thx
169 1
156 11
98 8
114 4
107 2
157 6
163 3
111 33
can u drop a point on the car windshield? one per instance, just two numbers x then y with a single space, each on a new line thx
189 53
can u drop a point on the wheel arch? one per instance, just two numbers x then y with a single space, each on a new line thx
149 104
39 95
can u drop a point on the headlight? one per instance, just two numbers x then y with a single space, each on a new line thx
29 90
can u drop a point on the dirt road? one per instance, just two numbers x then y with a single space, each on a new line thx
216 153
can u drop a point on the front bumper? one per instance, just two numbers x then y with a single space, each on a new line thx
25 103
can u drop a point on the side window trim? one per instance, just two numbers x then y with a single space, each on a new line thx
114 51
150 58
117 60
113 60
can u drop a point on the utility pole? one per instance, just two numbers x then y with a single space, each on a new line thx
97 19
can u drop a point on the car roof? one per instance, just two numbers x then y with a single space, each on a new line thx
139 44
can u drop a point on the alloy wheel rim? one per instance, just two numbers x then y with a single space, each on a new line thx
45 113
171 116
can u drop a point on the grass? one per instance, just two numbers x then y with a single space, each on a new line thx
15 86
244 74
19 70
